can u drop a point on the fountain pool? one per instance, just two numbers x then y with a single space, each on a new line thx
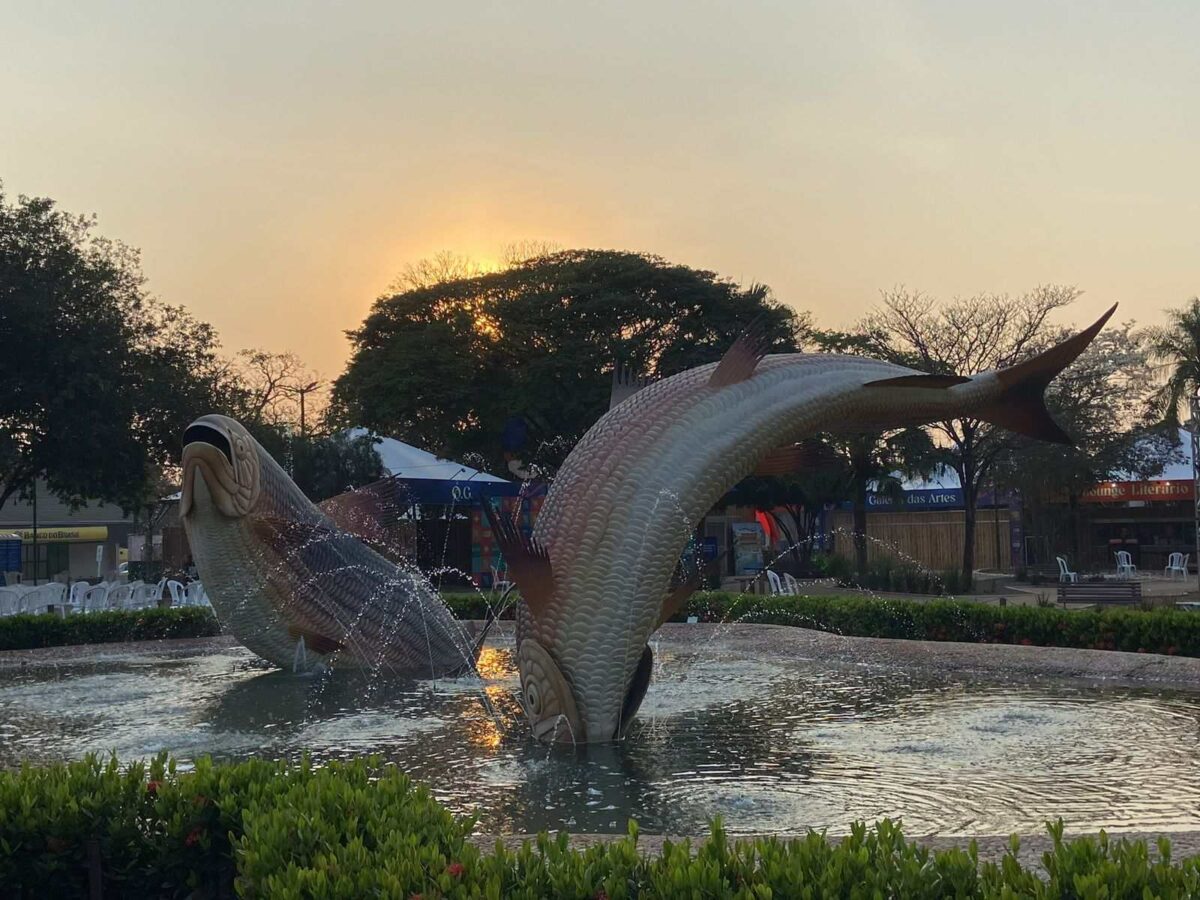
795 731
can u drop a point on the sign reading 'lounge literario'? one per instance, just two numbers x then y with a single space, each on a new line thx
1122 491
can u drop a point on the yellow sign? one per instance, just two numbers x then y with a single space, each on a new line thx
65 535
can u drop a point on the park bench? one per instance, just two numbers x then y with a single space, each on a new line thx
1101 593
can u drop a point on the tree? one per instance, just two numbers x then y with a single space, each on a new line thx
1177 346
1103 401
99 379
326 465
445 364
965 337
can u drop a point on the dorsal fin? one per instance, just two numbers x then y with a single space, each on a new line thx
740 360
625 384
528 562
935 382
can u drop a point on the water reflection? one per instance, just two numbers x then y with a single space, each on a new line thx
769 746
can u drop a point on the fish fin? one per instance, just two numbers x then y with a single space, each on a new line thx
625 384
636 693
528 562
792 458
1022 408
289 536
920 381
740 360
316 642
678 598
365 512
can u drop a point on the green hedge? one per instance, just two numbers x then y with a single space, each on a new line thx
1167 631
31 631
361 829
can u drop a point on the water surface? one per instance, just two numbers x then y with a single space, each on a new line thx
772 746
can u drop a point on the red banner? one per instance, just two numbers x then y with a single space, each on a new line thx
1122 491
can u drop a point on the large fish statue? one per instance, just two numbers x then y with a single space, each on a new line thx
596 576
290 584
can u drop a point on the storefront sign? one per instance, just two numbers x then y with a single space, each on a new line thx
1126 491
64 535
937 498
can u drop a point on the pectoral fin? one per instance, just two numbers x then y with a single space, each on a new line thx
528 563
366 512
678 598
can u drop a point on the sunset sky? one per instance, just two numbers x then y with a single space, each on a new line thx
278 164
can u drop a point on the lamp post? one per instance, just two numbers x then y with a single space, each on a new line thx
303 390
1195 429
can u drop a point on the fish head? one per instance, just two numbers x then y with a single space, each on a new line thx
221 467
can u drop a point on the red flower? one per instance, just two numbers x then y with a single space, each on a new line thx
601 894
455 869
194 836
416 897
153 786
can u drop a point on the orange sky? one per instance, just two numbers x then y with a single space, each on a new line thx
279 163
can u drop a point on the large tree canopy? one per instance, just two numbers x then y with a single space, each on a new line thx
99 380
445 364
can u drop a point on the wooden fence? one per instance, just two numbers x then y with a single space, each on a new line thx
933 538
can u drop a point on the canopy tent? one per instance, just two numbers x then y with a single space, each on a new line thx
429 479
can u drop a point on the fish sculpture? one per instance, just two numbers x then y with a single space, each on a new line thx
293 586
596 575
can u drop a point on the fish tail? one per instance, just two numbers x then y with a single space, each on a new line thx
1022 406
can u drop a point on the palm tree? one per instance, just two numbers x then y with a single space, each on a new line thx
1177 345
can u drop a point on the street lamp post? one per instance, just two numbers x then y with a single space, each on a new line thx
303 390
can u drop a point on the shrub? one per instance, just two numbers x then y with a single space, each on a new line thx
1162 630
359 829
26 632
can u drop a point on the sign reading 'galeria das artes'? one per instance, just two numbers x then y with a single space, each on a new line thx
1122 491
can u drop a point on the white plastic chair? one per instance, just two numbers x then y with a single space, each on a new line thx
75 597
121 596
1064 571
193 594
1176 562
147 595
776 584
177 592
10 602
41 598
500 584
791 586
1125 566
94 599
